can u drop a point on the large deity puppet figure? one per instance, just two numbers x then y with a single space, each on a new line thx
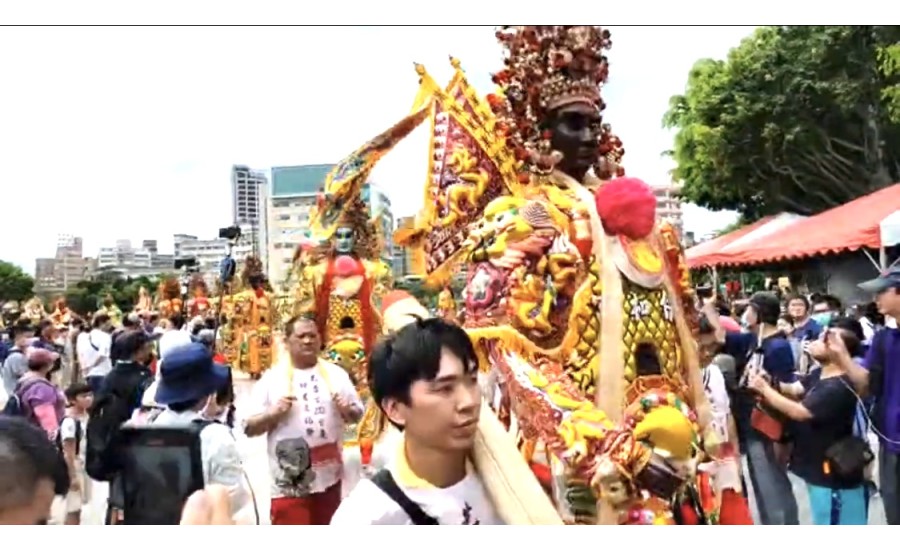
144 302
446 305
34 311
247 334
198 304
341 290
61 314
168 298
108 306
340 280
578 302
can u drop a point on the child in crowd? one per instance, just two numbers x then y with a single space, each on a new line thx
71 437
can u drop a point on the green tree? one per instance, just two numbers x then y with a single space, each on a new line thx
87 296
889 57
15 284
795 119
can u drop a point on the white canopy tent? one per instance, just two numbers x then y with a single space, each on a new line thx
889 229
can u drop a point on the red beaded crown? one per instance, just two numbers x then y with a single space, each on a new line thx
548 67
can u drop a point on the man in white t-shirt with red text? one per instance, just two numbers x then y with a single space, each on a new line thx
303 404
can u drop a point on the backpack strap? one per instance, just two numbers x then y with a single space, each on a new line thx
384 480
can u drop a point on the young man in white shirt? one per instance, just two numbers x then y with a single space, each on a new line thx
93 352
303 404
425 379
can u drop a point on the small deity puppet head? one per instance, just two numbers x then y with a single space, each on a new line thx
611 484
344 240
253 274
108 301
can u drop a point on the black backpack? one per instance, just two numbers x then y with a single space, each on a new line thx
15 406
121 395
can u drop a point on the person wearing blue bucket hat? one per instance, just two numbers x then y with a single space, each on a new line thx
187 387
188 375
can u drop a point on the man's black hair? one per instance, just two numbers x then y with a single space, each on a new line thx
43 325
210 323
129 342
800 298
767 306
834 303
413 353
131 321
723 309
177 321
852 333
23 327
100 319
26 458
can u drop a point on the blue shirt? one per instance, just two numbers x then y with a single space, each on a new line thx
810 330
778 362
778 357
884 354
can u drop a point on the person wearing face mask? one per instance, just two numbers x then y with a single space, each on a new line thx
824 308
762 348
188 385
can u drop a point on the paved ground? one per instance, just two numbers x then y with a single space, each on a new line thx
255 460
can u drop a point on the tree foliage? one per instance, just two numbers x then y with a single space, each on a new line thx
87 296
795 119
889 57
15 284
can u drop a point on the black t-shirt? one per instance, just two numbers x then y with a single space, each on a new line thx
833 407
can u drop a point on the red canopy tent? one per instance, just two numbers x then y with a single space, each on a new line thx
845 228
696 254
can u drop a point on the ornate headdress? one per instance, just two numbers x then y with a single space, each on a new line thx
198 287
169 289
253 269
548 67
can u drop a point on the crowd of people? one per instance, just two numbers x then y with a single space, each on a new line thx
796 385
809 388
61 379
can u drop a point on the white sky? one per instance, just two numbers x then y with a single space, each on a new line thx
112 133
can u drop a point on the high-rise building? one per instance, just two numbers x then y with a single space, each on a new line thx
129 261
668 206
67 268
403 257
249 195
208 254
294 190
380 208
293 194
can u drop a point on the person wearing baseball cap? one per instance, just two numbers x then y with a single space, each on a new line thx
761 348
41 402
879 378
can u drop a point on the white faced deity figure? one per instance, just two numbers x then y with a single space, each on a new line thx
344 240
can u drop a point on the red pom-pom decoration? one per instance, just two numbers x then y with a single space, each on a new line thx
346 266
627 206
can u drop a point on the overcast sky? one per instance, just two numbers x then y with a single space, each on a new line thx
110 133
